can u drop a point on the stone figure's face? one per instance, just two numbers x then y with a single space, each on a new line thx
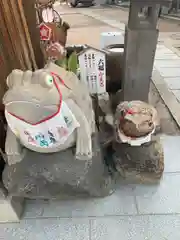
32 96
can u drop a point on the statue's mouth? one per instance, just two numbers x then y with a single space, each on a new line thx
37 104
31 112
33 103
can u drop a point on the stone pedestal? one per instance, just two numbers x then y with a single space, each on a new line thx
10 208
143 164
59 175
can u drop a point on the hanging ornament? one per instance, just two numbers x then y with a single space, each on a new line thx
53 31
56 51
45 2
47 15
45 32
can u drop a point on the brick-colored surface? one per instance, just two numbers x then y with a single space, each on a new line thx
90 35
78 20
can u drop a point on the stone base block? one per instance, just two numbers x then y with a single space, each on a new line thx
11 210
59 175
3 191
143 164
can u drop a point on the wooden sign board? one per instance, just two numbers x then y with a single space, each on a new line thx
92 63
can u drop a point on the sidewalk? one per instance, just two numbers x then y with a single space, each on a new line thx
134 211
142 212
167 78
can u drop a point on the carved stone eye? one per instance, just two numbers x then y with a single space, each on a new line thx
150 124
49 81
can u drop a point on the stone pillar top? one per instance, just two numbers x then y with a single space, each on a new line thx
144 13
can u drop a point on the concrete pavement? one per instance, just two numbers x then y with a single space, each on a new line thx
134 211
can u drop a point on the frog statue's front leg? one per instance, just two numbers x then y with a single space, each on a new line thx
83 141
14 150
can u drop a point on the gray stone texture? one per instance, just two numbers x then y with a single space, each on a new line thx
58 175
169 72
159 199
142 163
173 83
141 38
171 154
139 227
138 69
177 94
168 125
145 19
11 209
119 203
62 229
3 191
167 80
167 63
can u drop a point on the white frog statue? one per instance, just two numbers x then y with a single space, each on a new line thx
47 111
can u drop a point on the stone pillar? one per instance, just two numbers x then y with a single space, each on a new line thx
140 45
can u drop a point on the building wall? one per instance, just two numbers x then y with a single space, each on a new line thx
16 45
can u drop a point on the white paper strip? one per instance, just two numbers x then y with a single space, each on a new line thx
92 65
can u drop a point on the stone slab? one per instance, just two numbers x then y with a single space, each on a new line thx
164 53
3 192
167 63
46 229
33 208
173 83
136 228
11 210
159 199
177 94
169 72
161 49
168 97
171 145
120 203
166 56
168 125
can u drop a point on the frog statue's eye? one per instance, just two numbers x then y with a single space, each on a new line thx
49 80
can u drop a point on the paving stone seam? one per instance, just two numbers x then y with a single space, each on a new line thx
167 96
101 217
136 203
90 229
